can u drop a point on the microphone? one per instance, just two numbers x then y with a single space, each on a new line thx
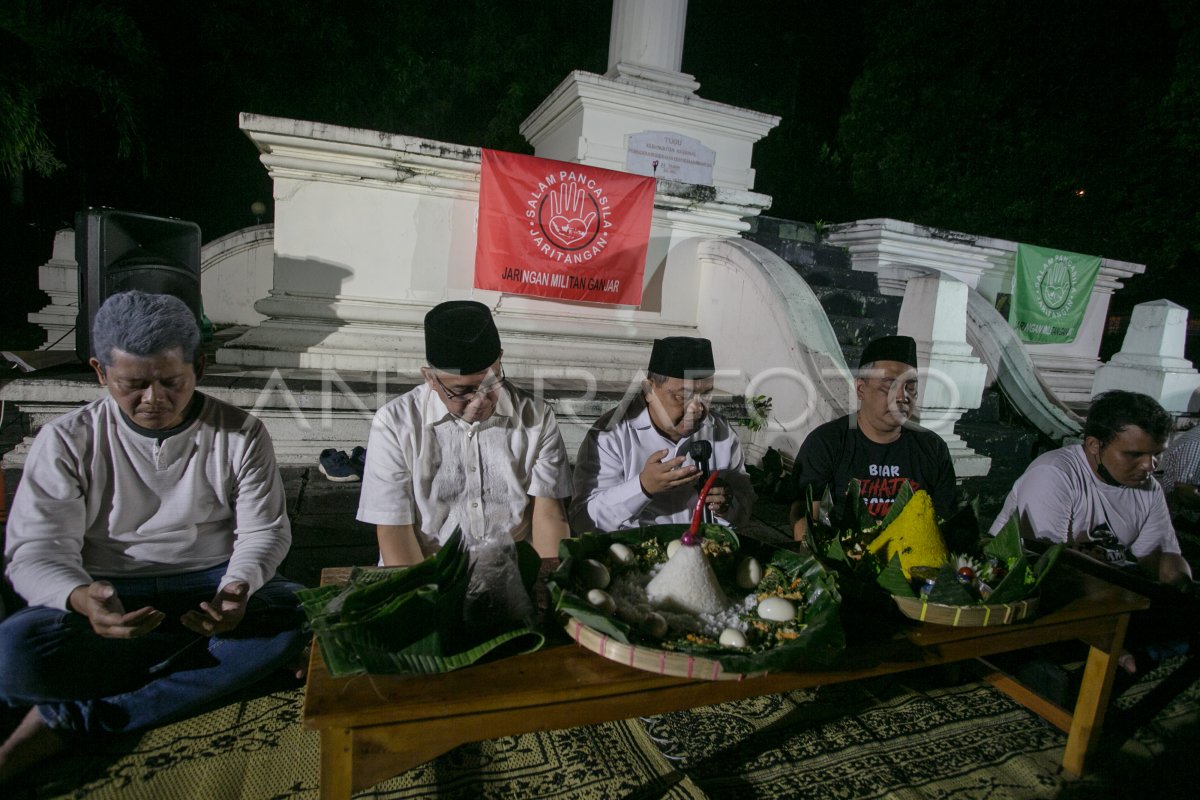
700 452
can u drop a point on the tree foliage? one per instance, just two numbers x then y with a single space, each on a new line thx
60 61
1068 124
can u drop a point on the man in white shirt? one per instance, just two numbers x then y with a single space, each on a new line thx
1100 496
145 535
465 449
642 462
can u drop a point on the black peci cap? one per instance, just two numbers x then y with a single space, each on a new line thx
460 336
890 348
682 357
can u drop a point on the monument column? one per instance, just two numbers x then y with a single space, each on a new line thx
645 42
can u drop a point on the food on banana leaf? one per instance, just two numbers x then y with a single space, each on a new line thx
910 553
411 619
687 584
665 613
913 536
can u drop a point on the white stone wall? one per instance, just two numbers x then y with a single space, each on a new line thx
235 271
897 251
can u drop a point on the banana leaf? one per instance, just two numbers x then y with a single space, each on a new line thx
819 643
865 578
1023 579
410 620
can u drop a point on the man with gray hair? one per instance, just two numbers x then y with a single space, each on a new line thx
144 535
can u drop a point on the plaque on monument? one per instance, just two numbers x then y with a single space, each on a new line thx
670 156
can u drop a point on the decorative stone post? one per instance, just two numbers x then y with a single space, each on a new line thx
59 278
934 312
1151 359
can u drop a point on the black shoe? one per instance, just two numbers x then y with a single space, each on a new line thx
335 465
358 460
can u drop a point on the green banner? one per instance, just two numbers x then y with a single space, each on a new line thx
1051 289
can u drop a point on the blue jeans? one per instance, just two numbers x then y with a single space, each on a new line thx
83 683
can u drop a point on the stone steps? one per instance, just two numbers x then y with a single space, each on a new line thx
995 429
851 299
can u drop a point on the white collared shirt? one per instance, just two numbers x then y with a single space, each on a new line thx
429 469
608 489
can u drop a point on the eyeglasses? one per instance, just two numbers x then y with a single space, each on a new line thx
487 387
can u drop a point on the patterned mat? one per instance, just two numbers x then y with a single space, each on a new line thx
918 737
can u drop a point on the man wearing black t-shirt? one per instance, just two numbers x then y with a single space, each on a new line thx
878 444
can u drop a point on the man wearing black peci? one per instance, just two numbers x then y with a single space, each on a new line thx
641 462
878 444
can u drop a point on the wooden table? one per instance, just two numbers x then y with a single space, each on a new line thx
374 727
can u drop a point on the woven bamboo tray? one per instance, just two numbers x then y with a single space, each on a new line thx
966 616
662 662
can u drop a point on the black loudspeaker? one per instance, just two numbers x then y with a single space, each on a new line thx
121 250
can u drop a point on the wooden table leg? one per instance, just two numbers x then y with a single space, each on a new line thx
1053 713
337 765
1094 692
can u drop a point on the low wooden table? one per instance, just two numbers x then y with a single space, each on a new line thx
374 727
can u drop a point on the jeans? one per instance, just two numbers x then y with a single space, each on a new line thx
83 683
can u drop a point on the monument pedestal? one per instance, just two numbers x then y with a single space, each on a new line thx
1151 359
952 379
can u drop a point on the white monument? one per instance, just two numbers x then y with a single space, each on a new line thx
934 313
1151 359
897 251
373 229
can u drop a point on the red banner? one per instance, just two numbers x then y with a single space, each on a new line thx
568 231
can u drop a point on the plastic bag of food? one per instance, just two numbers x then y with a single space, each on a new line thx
497 596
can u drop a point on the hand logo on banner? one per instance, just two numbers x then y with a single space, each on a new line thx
1056 281
561 230
570 219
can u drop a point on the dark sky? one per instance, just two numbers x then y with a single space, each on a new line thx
979 116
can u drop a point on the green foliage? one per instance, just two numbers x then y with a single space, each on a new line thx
466 73
994 130
769 479
64 66
758 412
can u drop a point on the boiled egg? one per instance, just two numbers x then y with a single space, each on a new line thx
776 609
